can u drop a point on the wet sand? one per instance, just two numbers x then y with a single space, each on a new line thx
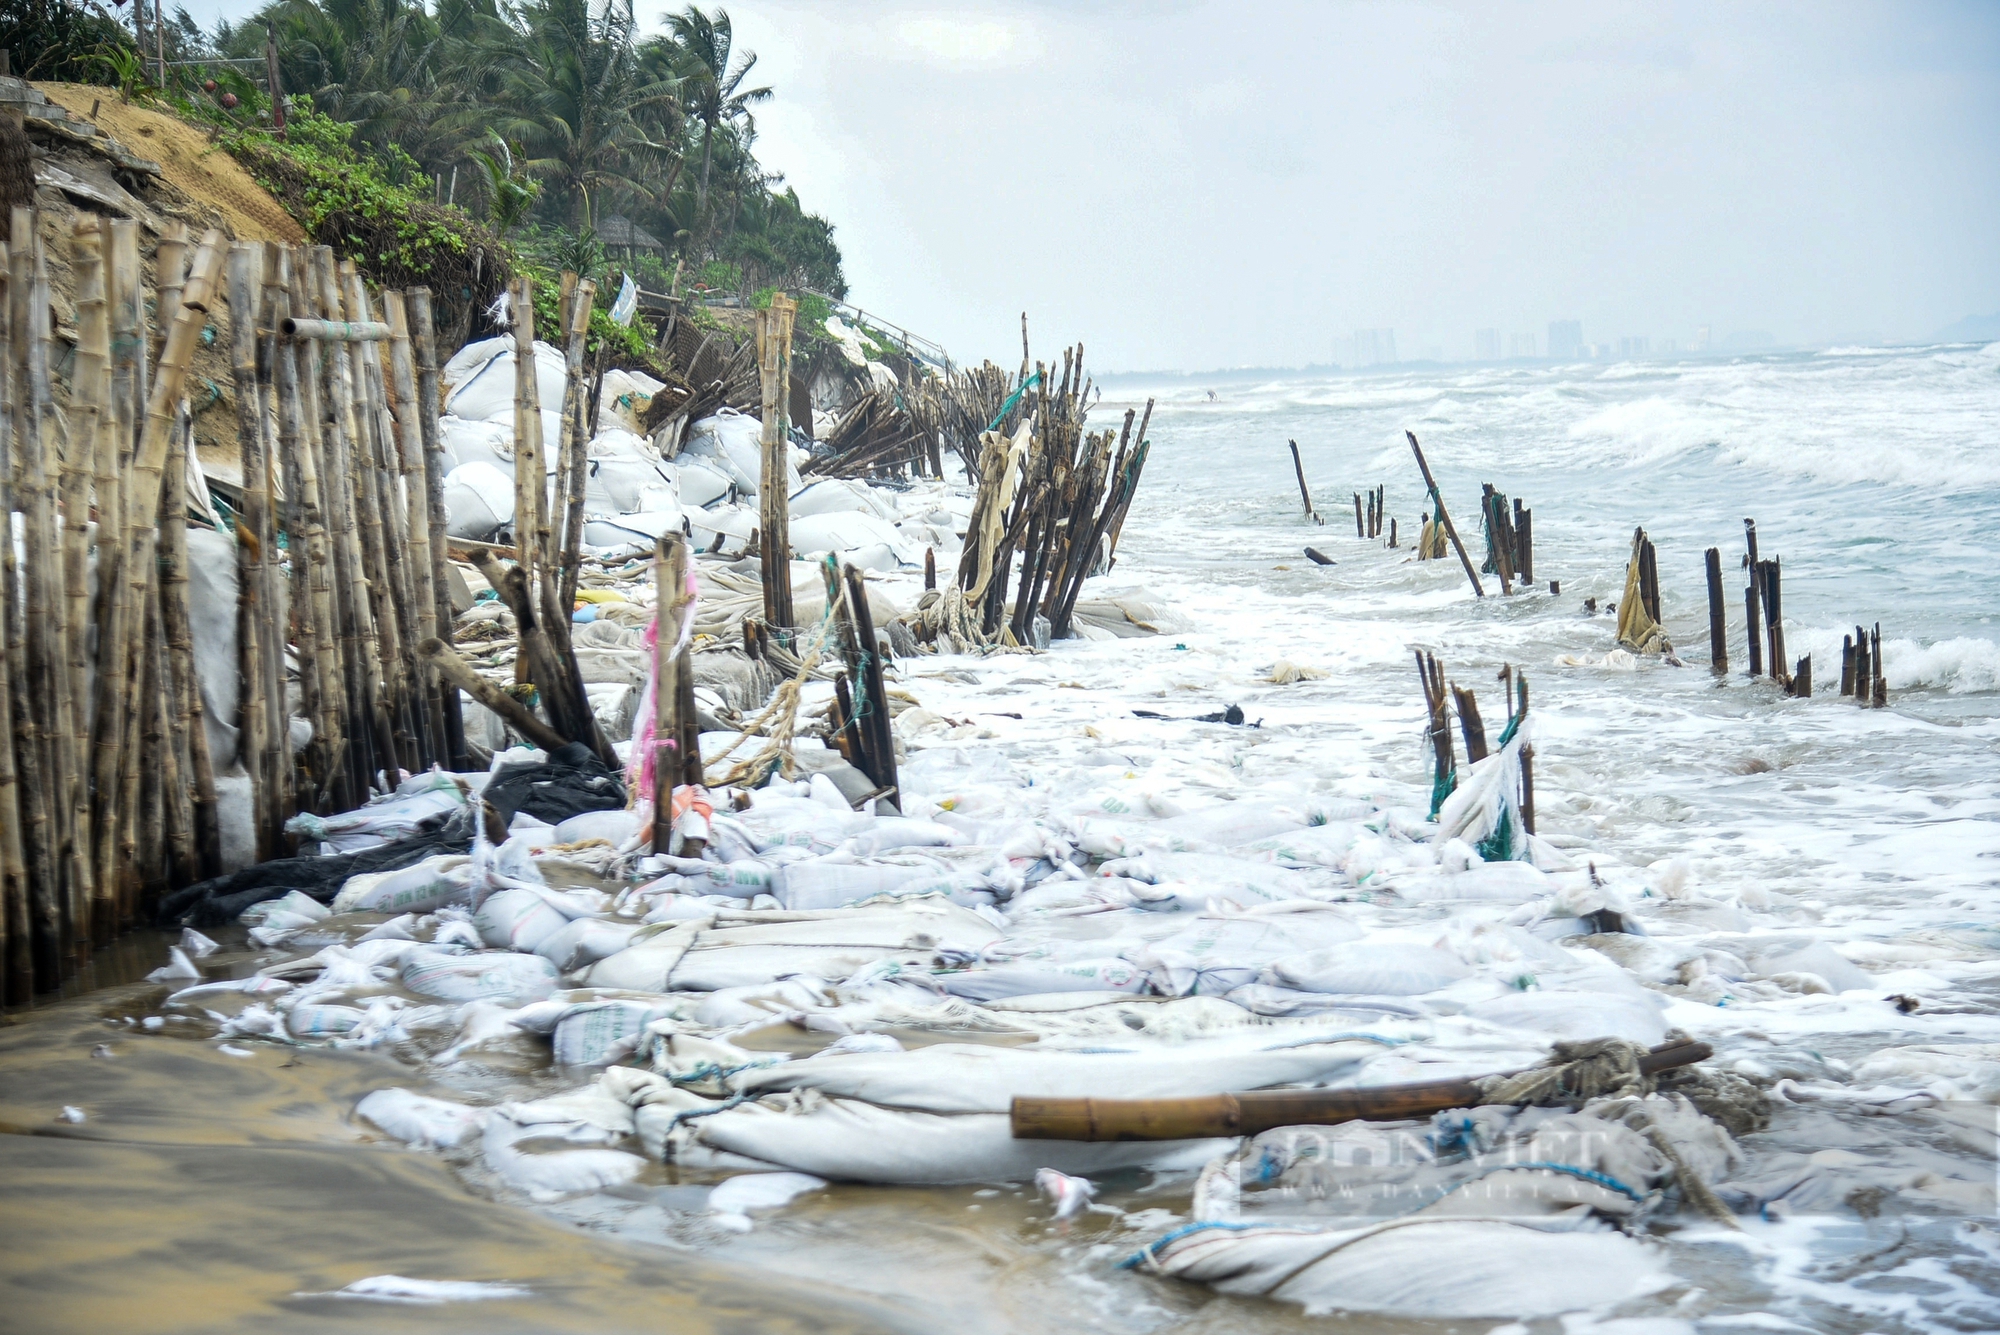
210 1193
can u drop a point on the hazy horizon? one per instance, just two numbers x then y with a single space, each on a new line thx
1193 185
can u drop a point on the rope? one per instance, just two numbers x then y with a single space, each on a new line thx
1013 399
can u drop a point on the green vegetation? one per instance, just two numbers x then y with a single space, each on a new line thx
546 119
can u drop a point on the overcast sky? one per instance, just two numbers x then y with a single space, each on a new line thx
1199 185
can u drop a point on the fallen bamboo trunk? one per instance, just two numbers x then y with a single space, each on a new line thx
1437 500
1249 1114
457 672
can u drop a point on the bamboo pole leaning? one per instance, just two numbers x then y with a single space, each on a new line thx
429 406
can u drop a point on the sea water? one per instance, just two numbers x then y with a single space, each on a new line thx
1873 476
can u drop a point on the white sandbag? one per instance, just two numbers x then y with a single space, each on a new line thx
1437 1269
837 495
847 1140
430 884
1201 878
481 976
473 356
1214 955
486 392
642 529
829 883
601 1032
549 1176
1023 980
887 833
733 523
955 1077
625 397
841 532
734 441
517 919
1377 968
697 483
584 941
478 500
417 1120
467 442
1229 824
624 476
1578 1015
743 948
613 827
1806 957
385 820
313 1021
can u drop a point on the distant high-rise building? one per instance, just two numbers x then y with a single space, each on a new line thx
1486 345
1521 345
1701 339
1375 347
1565 339
1634 346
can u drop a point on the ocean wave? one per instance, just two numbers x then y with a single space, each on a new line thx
1651 429
1960 666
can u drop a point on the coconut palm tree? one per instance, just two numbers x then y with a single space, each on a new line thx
572 93
712 81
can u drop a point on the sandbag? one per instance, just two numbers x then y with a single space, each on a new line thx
1376 968
478 500
430 884
480 976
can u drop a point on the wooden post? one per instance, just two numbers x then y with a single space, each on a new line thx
117 678
1864 673
1752 610
1298 466
1847 665
1880 698
1360 526
1438 500
1718 644
930 569
1445 765
1392 533
1524 534
774 361
1499 539
92 452
530 478
1802 678
275 86
1774 617
1470 724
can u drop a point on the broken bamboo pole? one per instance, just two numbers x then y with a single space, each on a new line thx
1438 500
774 360
1718 645
1299 467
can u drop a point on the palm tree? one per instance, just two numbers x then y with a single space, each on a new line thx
574 96
713 81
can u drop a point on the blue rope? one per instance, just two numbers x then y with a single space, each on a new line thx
1013 399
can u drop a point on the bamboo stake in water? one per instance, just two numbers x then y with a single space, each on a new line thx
1718 644
1437 500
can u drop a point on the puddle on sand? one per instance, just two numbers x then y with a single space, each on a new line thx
204 1192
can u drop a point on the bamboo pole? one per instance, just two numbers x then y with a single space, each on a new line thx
1201 1116
377 456
1527 759
1299 467
774 361
189 719
17 962
573 467
1718 643
428 409
276 759
882 739
1470 724
1753 623
115 683
336 331
1879 697
246 272
42 584
92 461
669 575
170 261
321 667
416 517
1438 500
530 478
